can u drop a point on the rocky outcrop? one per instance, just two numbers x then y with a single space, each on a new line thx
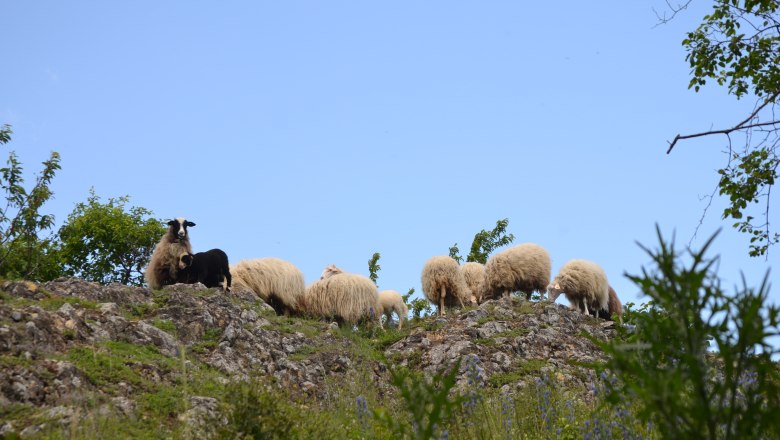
504 343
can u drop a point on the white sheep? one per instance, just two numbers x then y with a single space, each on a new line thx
443 283
392 301
474 275
345 297
525 267
163 265
277 282
585 285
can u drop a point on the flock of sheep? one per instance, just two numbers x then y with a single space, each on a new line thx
352 298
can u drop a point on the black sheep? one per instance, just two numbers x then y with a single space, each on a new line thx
207 268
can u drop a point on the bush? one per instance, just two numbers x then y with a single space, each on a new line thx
699 362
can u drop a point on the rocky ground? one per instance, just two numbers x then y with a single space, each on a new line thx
58 342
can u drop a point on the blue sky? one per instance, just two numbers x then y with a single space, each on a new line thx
322 132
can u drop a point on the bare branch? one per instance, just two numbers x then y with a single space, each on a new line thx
663 19
741 126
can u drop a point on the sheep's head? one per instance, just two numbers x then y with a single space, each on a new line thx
178 228
330 271
185 261
553 291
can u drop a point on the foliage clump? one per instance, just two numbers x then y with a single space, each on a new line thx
698 363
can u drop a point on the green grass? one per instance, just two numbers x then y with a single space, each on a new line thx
165 325
521 370
49 302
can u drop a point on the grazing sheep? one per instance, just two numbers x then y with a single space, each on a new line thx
163 266
474 275
443 283
525 267
345 297
392 301
208 268
277 282
585 285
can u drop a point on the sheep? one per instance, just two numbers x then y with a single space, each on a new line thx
584 284
329 271
525 267
208 268
392 301
474 275
277 282
443 283
164 263
345 297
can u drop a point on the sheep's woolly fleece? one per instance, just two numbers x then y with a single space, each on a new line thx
276 281
585 285
164 263
474 275
525 268
347 297
443 273
392 301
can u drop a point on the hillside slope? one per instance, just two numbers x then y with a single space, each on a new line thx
76 355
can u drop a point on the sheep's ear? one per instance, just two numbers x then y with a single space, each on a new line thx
190 224
557 286
171 223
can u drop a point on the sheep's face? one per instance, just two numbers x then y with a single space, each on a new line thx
178 227
553 291
185 261
330 271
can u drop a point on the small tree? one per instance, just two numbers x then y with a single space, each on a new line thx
455 253
374 267
736 46
484 243
109 242
22 253
666 366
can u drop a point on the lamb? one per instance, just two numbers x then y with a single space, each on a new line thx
443 283
208 268
474 275
392 301
525 267
584 284
345 297
277 282
163 266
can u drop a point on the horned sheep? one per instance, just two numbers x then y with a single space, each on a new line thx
585 285
474 275
164 263
277 282
443 283
209 268
392 301
346 297
525 267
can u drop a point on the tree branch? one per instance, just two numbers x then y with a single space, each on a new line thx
741 126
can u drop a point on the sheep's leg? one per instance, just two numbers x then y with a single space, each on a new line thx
441 301
228 279
585 304
400 320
